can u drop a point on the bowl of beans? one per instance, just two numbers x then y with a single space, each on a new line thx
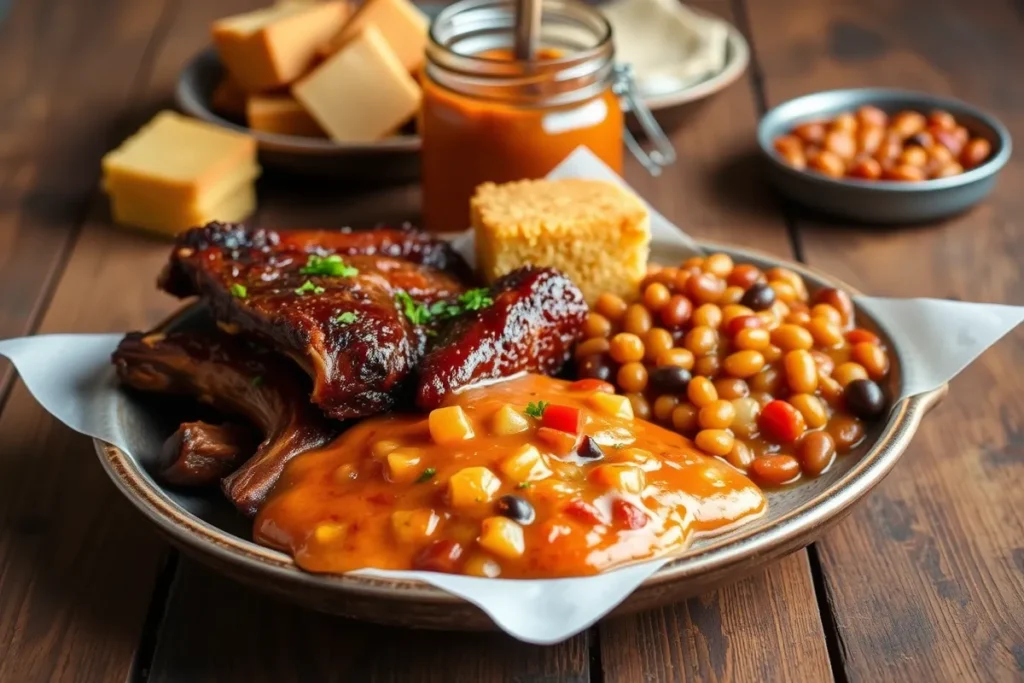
883 156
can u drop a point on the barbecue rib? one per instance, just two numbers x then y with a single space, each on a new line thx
201 454
345 331
238 378
535 319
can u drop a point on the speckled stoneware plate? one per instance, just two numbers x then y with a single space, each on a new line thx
396 159
206 526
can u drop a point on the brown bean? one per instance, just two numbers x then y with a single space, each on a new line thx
775 470
701 340
975 153
716 415
682 358
707 315
812 133
827 163
872 116
705 288
950 169
801 371
596 326
744 275
847 372
839 300
663 407
740 456
846 431
632 377
907 123
611 306
872 357
718 264
592 347
904 173
816 451
841 143
626 348
731 387
656 295
676 312
865 169
701 391
811 408
869 139
942 120
637 320
913 156
708 366
641 408
684 418
657 340
744 364
714 441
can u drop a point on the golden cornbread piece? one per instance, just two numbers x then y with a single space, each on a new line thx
596 232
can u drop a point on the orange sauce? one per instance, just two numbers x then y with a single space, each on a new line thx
650 493
467 141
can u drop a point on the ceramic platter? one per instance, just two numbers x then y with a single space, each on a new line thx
206 527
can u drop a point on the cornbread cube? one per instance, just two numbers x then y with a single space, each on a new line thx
271 47
282 115
525 464
127 209
403 465
624 477
402 25
449 425
471 486
367 72
507 420
595 232
502 536
177 163
414 526
612 405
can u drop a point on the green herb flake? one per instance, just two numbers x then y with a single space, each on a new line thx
329 266
346 318
238 291
416 312
619 446
308 287
536 409
476 299
524 485
256 381
427 475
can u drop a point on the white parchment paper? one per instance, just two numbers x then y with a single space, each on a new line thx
70 375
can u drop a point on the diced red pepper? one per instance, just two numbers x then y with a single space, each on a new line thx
780 422
743 322
861 335
591 384
562 418
628 515
583 511
439 556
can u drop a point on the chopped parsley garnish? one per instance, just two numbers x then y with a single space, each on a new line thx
619 446
256 381
331 266
427 475
415 311
420 314
536 409
307 287
524 485
475 299
238 291
346 318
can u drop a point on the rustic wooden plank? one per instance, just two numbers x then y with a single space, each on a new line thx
926 579
77 564
765 627
203 640
60 102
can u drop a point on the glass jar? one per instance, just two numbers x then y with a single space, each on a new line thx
487 116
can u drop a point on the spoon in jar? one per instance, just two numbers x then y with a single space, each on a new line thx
527 28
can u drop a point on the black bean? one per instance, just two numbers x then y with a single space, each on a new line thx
864 398
595 367
589 449
759 297
670 379
517 509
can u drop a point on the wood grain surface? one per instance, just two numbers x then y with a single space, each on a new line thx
926 579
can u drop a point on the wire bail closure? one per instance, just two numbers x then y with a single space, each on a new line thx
663 154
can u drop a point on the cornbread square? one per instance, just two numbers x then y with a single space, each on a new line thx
281 114
362 93
403 26
596 232
137 213
175 161
271 47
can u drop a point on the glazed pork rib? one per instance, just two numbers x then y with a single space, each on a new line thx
238 378
338 320
535 317
201 454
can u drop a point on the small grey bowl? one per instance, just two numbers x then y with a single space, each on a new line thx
879 201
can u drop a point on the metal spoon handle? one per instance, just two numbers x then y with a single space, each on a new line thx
527 28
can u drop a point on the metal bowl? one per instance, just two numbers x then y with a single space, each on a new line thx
206 526
874 201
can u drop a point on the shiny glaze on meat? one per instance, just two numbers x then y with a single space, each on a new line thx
334 508
237 378
356 366
531 327
201 454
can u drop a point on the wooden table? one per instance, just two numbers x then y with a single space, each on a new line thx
923 582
